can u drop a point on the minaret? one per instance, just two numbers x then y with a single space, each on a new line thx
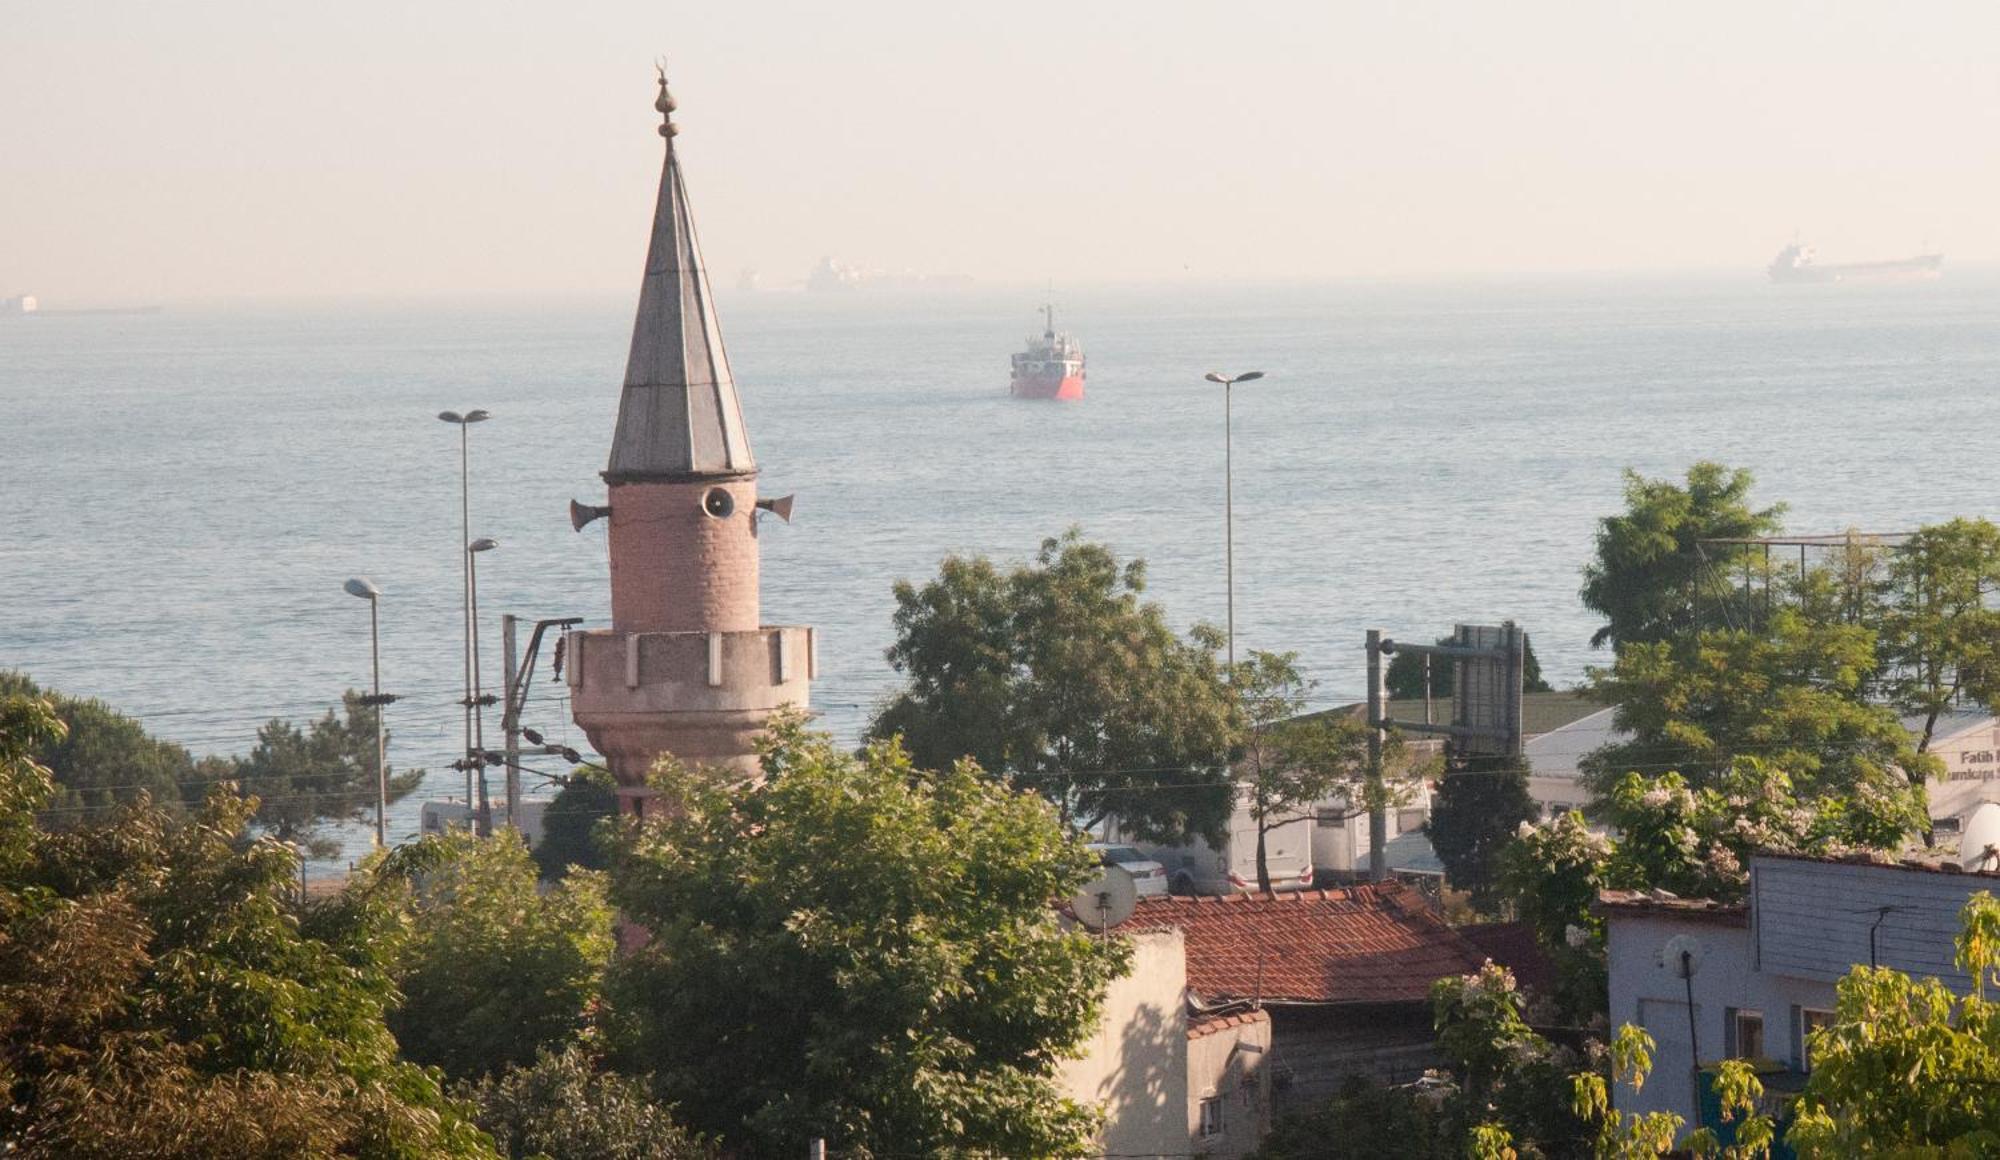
685 668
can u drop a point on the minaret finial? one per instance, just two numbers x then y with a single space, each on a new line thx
666 102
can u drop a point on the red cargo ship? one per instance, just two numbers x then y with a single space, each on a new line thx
1051 367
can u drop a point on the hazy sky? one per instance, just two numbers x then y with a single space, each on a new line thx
157 151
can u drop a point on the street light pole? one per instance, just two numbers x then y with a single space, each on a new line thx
365 588
476 753
464 422
1229 497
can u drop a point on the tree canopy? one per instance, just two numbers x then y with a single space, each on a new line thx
303 777
1056 675
1651 579
1478 807
857 949
492 968
158 998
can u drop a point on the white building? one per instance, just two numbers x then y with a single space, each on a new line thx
1172 1083
1764 971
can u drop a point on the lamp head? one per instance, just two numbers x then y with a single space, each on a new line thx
1215 377
363 587
1245 377
482 544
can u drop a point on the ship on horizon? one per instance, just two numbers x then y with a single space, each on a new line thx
1051 367
1795 263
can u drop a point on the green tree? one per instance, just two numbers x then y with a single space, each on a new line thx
1508 1075
857 949
567 1106
157 997
1940 635
1478 808
492 968
1652 580
570 824
1791 694
1056 675
1405 678
304 777
1552 874
1288 763
1907 1068
102 759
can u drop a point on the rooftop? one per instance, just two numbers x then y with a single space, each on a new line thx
1200 1026
1375 943
1666 904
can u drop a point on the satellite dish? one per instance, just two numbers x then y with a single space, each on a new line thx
1979 841
1682 956
1107 900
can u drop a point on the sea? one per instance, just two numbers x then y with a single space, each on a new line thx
185 492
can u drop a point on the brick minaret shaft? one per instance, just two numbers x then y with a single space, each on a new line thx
685 668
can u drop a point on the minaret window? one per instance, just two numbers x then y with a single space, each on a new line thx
718 503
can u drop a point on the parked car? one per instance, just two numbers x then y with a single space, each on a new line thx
1149 876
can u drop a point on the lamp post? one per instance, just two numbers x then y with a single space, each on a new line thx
1229 499
464 422
365 588
476 753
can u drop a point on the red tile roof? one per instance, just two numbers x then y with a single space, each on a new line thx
1200 1025
1377 943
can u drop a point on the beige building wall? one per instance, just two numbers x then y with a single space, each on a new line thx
1135 1068
1226 1065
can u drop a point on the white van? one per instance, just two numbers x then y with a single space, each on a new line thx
1198 868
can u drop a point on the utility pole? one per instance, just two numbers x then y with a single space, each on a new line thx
1378 809
510 723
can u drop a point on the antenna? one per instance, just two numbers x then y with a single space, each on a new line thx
1106 900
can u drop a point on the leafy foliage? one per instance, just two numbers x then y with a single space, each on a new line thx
325 770
565 1105
102 759
1056 675
1651 579
492 968
301 776
1940 635
569 825
158 998
1907 1068
857 949
1508 1075
1793 696
1479 805
1553 872
1287 762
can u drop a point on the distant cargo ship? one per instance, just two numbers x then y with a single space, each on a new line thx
1051 367
1795 263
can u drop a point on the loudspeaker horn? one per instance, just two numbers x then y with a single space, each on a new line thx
780 507
582 513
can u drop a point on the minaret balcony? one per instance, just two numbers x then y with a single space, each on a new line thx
690 672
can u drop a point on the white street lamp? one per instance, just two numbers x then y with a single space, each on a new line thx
464 423
1229 499
365 588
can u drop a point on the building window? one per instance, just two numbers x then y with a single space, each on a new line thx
1211 1117
1745 1029
1809 1021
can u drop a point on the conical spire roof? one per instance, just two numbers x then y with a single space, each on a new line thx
679 415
